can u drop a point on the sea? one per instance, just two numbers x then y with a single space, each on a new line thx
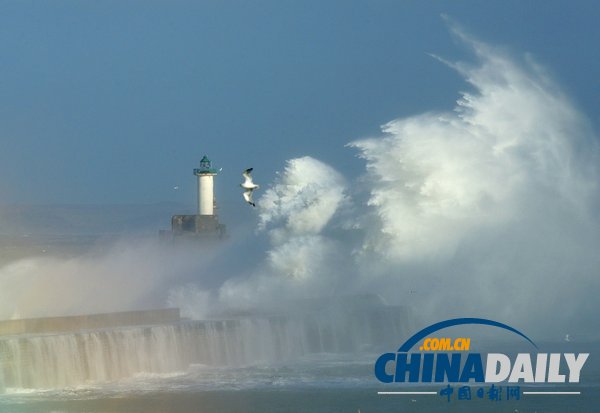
321 382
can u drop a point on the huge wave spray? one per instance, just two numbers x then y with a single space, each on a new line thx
487 210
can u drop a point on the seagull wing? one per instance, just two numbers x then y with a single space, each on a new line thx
247 177
248 196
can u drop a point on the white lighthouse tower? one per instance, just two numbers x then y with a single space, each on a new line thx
206 197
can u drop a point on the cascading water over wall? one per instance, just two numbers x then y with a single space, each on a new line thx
62 360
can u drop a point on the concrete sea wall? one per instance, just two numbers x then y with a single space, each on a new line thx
88 322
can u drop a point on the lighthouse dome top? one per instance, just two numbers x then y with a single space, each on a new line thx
205 167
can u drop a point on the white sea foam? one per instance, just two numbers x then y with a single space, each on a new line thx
478 210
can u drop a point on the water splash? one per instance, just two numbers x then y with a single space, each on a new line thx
478 210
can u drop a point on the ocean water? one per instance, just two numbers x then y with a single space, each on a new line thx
317 361
323 382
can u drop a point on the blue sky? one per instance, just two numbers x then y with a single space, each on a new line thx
117 101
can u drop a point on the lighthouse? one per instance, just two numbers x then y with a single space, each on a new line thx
204 225
206 197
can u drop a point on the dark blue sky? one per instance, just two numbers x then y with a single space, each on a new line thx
117 101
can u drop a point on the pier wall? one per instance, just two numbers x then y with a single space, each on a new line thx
88 322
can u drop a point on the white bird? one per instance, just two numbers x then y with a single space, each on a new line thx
249 186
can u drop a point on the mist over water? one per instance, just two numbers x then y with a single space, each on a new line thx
129 274
485 210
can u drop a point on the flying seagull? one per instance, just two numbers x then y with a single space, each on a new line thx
249 186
